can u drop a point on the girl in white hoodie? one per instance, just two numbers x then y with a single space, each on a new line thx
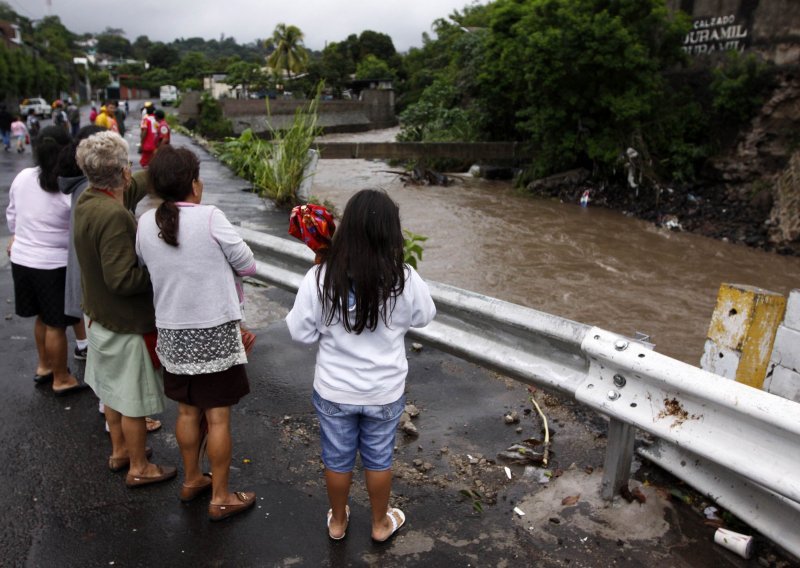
358 304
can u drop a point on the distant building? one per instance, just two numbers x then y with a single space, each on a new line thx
215 85
10 34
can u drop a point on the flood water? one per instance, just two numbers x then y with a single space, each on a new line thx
590 265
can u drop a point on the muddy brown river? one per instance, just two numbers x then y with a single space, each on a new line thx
590 265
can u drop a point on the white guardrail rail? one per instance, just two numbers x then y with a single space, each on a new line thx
738 445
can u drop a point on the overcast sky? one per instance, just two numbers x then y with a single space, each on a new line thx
246 20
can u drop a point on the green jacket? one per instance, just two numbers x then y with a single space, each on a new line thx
116 290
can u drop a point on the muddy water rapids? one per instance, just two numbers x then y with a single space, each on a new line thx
590 265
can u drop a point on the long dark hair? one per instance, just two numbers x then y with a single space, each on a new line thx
172 171
364 268
67 165
45 153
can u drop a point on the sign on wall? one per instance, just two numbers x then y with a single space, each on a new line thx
717 33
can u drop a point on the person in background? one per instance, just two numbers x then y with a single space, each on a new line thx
148 135
199 341
19 133
74 117
5 126
146 106
118 299
38 218
119 115
164 132
33 125
93 114
358 304
107 117
59 116
127 107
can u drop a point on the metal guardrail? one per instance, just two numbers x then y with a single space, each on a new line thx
738 445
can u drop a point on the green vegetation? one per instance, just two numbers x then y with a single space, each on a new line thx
289 56
579 81
275 167
412 249
210 122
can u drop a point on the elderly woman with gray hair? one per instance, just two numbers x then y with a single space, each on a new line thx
118 299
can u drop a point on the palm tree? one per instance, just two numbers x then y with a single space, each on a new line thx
289 55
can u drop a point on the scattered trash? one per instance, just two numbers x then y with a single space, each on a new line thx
9 316
247 460
519 511
631 495
521 455
508 471
444 450
519 430
737 543
408 428
416 347
570 500
711 513
555 520
511 417
546 454
412 410
584 539
540 475
472 460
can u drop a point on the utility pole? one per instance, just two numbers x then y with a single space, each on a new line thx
85 62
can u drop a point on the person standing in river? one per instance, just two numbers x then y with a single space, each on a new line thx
358 305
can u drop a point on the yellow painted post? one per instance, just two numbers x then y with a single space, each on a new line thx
741 333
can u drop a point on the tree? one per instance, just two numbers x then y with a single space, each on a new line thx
244 74
377 44
162 56
290 55
193 65
373 68
141 47
114 45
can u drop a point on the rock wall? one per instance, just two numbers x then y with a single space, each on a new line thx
785 217
770 28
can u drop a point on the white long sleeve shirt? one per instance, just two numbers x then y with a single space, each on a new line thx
39 221
369 368
193 283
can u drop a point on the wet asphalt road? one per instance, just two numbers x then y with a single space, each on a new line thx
61 507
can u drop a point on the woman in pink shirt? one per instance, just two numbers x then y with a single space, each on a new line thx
19 132
38 218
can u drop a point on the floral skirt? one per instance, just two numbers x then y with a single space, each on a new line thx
201 351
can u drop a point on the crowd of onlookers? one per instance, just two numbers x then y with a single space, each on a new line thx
21 131
149 278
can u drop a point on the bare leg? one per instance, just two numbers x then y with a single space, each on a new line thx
219 454
379 487
118 447
338 485
55 346
187 431
135 434
39 332
80 330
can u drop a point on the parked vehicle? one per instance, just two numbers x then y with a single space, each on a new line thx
38 104
169 95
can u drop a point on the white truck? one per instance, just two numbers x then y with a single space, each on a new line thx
38 104
169 95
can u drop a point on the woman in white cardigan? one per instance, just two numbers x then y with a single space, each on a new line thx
193 254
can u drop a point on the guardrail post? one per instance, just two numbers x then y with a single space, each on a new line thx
619 455
741 333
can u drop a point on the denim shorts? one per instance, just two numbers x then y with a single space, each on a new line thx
345 428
